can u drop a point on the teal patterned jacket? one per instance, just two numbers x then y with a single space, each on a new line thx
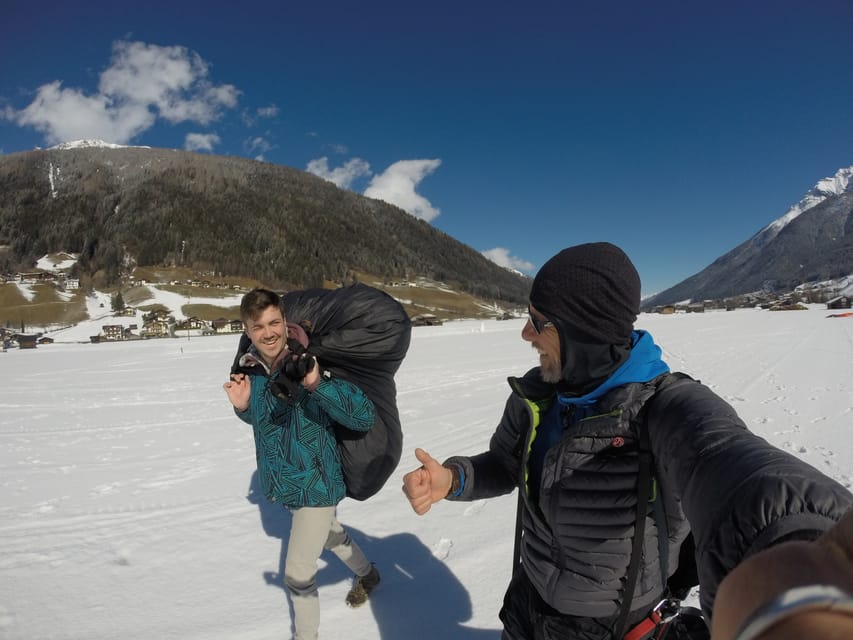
298 460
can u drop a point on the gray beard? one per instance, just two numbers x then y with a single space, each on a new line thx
549 375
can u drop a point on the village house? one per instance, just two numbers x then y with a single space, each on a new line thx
158 314
35 276
113 332
426 320
222 325
155 329
190 323
839 302
26 341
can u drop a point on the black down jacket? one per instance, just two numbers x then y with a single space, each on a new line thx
736 492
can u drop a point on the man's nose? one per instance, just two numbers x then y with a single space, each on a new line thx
527 332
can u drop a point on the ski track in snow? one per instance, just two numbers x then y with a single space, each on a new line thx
130 507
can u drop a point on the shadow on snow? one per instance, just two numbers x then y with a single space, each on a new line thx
418 595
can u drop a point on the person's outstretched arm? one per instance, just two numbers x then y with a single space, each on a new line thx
740 494
792 591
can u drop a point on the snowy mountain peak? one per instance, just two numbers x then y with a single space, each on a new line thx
827 187
89 143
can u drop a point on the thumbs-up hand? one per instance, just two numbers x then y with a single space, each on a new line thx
427 484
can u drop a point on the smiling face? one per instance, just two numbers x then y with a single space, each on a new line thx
547 344
268 332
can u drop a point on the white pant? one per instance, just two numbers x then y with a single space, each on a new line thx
315 529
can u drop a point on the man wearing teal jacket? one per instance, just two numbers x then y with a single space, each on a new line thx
292 409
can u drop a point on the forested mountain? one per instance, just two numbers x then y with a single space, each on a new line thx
285 227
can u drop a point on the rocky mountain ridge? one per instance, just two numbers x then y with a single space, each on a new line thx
811 242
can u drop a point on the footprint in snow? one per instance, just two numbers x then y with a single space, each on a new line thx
795 447
474 508
442 549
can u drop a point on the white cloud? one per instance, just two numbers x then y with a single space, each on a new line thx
201 141
398 183
250 118
500 256
257 143
268 112
143 82
259 146
342 176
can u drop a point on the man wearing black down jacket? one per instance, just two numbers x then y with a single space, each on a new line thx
618 461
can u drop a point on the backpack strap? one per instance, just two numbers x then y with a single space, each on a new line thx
644 481
645 478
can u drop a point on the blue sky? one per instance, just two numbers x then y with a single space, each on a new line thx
675 129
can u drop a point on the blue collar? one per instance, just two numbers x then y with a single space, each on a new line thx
643 364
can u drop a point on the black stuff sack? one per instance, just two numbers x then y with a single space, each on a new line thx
360 334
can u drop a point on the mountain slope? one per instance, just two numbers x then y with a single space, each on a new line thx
134 205
812 241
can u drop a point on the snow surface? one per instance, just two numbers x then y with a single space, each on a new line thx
128 507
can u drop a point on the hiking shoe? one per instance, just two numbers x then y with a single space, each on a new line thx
361 588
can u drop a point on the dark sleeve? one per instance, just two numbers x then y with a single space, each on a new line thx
739 493
495 472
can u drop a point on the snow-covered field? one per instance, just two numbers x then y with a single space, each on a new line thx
128 509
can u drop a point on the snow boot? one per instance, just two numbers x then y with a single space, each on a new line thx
361 588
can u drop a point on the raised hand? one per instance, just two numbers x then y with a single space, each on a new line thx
428 484
239 390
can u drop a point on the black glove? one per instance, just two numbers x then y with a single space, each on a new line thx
286 383
299 361
298 366
283 387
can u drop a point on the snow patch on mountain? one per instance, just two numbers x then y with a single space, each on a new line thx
56 262
825 188
93 143
53 176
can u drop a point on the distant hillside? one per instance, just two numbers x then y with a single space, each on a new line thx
810 243
119 207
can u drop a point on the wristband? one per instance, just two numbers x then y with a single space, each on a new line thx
814 597
457 484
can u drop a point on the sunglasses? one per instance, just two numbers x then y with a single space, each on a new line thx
538 324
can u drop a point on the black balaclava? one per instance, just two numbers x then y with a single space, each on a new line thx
591 292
